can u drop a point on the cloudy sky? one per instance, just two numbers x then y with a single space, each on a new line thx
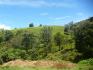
19 13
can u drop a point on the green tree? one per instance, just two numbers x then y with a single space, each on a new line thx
31 25
58 40
46 38
1 36
69 28
7 35
84 38
40 25
28 40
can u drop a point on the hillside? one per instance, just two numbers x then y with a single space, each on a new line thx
36 30
72 42
33 39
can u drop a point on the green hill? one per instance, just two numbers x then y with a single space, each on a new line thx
72 42
36 30
39 41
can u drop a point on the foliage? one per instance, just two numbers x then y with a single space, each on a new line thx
85 65
46 39
69 28
74 42
28 41
87 62
40 25
58 40
83 38
31 25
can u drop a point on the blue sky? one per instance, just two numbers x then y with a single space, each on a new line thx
19 13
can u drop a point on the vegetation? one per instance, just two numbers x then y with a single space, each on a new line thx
31 25
82 65
58 40
74 42
83 38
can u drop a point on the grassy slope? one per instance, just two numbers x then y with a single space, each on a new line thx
55 29
37 29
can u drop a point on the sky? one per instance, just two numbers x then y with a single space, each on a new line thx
20 13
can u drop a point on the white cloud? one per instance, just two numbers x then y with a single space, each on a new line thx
5 27
59 18
43 14
36 3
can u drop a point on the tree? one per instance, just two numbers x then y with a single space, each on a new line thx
16 41
31 25
7 35
58 39
69 28
28 41
40 25
1 35
46 37
84 38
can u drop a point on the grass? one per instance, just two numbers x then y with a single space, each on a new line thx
37 29
83 67
78 67
28 68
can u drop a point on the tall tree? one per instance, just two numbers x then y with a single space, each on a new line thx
46 37
69 27
28 41
84 38
58 40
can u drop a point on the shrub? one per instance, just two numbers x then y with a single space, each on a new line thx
87 62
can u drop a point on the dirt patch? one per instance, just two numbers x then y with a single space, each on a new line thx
40 63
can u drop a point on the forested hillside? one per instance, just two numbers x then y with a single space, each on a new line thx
73 42
46 42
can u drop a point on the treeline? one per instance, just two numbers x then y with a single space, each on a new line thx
27 45
73 44
83 36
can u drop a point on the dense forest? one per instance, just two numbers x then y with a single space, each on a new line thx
72 42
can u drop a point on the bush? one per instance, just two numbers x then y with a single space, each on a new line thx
87 62
69 54
85 65
55 56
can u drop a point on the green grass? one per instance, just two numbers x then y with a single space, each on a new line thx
78 67
83 67
37 29
29 68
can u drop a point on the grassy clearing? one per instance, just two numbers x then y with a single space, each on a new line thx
36 30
